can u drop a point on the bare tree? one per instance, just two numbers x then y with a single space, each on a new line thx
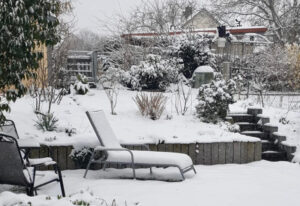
281 16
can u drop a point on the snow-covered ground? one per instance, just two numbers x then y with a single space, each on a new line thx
128 124
258 183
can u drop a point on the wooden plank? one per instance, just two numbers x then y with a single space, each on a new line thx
229 152
34 153
70 162
199 153
169 148
161 147
185 149
192 152
177 148
237 152
244 152
207 153
250 153
222 153
44 152
62 157
215 153
258 151
153 147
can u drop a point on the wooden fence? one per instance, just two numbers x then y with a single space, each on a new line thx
201 153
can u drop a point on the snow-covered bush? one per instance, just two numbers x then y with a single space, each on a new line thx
46 122
195 52
81 86
214 99
152 105
182 95
154 73
81 157
110 80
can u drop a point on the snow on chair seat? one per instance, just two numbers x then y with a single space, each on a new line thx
115 153
152 158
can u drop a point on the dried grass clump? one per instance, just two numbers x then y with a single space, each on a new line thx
151 105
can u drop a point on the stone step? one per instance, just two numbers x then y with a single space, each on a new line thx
256 133
261 119
270 128
268 146
247 126
254 111
241 117
274 155
277 137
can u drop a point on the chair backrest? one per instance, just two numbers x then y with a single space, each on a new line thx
9 127
102 129
11 163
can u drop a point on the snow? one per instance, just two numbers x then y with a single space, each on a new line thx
278 108
204 69
152 158
258 183
129 125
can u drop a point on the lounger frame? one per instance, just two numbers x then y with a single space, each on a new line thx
103 160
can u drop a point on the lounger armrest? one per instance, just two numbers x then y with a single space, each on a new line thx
101 148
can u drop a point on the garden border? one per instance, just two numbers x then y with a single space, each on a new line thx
201 153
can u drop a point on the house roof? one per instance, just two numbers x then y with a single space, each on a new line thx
232 30
200 13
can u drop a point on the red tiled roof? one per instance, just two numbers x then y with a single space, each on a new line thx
233 30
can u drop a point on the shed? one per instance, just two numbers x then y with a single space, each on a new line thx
202 75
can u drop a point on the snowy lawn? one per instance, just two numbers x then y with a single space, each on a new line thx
128 124
254 184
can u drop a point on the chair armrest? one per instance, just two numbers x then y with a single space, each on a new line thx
106 149
41 161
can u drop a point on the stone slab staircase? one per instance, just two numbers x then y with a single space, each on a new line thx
253 123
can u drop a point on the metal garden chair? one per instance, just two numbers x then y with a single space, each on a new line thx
115 153
14 171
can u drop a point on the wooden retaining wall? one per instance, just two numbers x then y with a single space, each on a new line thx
201 153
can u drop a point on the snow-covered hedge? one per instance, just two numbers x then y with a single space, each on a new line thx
81 86
214 99
194 52
154 73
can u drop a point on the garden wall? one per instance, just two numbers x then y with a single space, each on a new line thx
201 153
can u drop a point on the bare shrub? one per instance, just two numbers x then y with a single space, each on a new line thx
182 97
152 105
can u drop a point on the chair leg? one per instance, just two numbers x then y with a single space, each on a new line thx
87 168
30 191
151 172
181 172
61 182
104 166
194 169
133 170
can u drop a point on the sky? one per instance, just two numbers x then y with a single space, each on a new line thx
88 12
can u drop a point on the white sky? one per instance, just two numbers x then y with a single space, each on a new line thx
88 12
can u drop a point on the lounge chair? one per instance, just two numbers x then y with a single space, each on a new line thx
14 171
115 153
